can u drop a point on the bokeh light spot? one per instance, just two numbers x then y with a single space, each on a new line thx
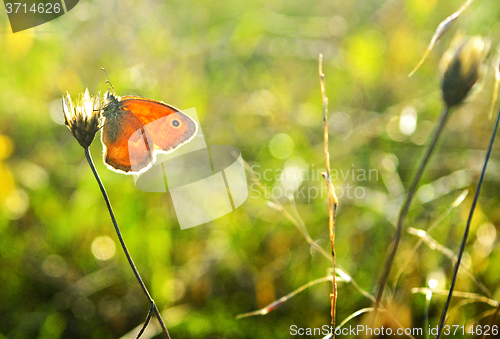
433 283
54 266
436 279
408 120
32 175
103 248
17 204
281 146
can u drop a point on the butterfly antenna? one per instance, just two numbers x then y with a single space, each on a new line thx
108 81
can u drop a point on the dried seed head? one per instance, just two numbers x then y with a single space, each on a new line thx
84 119
461 66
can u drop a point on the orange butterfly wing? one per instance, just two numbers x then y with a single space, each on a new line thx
135 128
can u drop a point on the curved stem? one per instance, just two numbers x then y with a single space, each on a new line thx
406 206
146 322
122 242
467 227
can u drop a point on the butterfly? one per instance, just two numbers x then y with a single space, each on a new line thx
135 129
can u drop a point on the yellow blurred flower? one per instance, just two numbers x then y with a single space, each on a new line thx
13 200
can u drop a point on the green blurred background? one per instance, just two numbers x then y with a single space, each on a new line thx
251 71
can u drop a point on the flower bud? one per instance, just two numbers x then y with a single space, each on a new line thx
84 119
461 66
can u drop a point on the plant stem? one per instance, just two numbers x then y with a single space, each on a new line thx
301 227
332 198
467 227
124 247
404 210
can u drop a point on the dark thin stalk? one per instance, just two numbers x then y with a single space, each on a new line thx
467 227
125 250
404 209
146 322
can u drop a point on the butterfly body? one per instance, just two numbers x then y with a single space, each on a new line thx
137 128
